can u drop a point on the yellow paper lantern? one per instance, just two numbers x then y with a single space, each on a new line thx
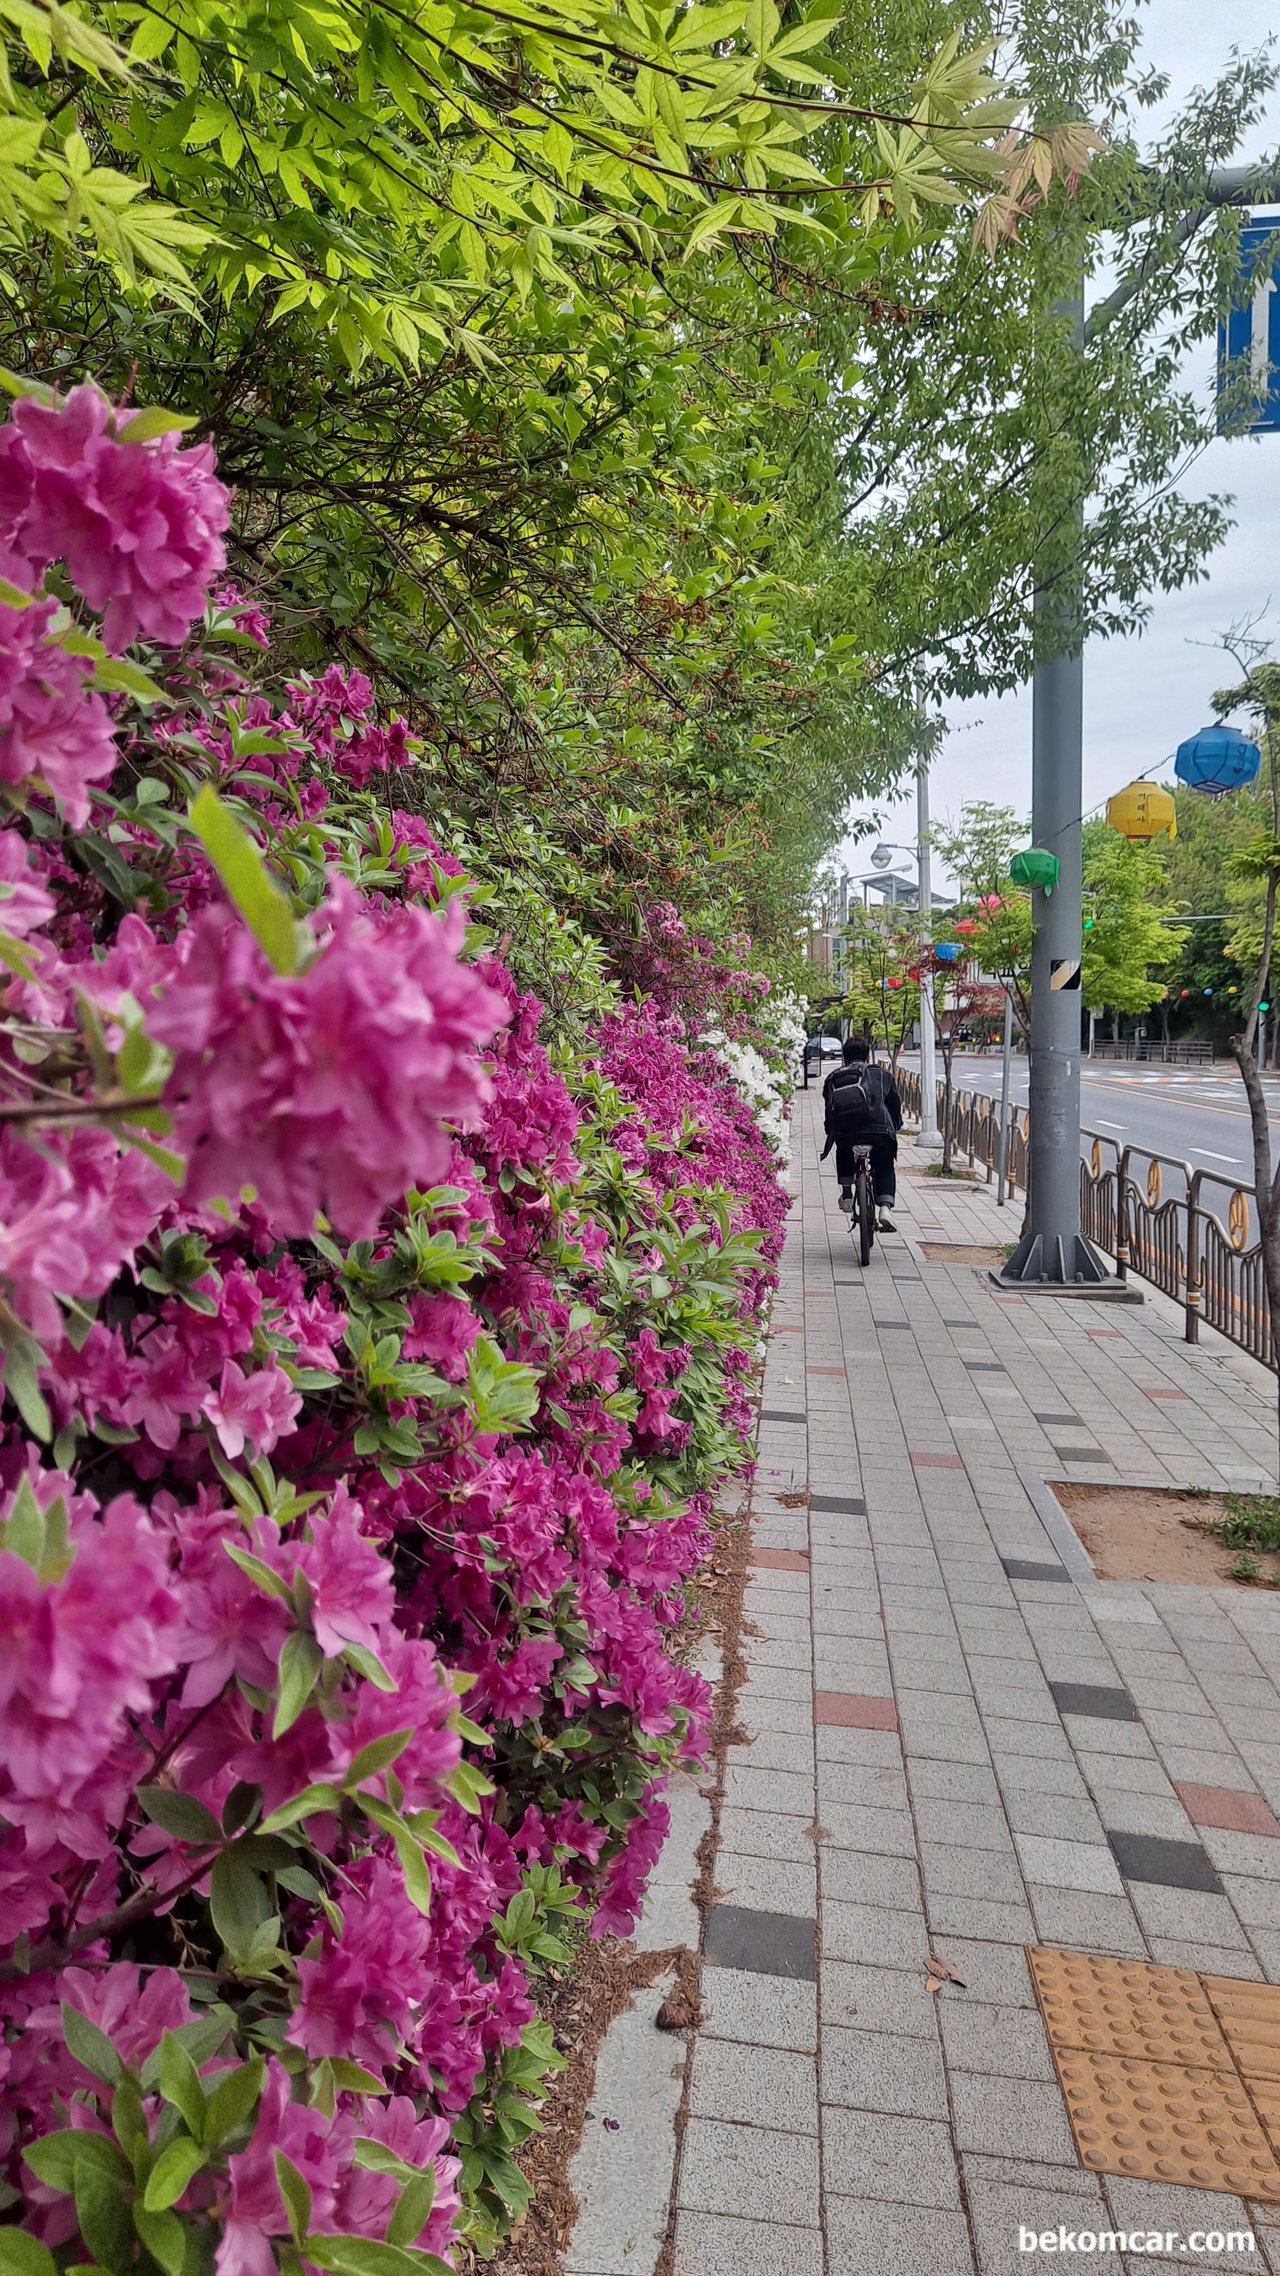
1142 810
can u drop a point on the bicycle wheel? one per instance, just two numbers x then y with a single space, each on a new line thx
866 1216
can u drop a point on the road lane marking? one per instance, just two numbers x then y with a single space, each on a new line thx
1207 1155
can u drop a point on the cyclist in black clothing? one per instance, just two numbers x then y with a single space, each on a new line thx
861 1108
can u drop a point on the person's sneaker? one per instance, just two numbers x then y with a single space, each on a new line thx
846 1199
885 1223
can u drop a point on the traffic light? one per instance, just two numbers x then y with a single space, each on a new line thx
1264 1007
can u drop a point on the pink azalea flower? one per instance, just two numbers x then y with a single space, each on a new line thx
139 525
325 1089
257 1410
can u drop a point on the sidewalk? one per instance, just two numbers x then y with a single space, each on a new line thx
952 1746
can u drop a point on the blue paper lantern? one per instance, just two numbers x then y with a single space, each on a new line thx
947 951
1217 760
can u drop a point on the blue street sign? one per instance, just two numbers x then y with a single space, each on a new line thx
1249 344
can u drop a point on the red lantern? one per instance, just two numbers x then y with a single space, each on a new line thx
1185 991
895 983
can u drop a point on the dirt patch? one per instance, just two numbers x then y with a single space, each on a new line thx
964 1252
1153 1533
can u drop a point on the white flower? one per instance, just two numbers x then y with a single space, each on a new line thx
765 1079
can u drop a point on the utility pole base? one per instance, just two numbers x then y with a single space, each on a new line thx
930 1138
1056 1264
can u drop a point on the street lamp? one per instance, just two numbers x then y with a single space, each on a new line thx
1053 1252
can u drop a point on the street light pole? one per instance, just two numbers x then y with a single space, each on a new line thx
930 1135
1053 1253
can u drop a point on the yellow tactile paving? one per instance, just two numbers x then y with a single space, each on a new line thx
1167 2075
1250 2019
1128 2007
1160 2122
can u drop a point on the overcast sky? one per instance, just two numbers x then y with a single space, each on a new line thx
1143 696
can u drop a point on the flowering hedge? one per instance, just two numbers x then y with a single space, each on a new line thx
372 1357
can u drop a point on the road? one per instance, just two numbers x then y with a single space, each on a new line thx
1194 1114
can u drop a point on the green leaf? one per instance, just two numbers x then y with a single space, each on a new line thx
147 426
201 2040
296 2195
56 2159
353 2078
103 2217
301 1660
23 2255
165 2236
233 2100
246 879
270 1582
238 1902
468 1786
22 1357
413 2209
367 1664
180 2084
128 2119
181 1815
173 2170
378 1755
23 1530
309 1804
363 2256
90 2045
504 2175
375 2157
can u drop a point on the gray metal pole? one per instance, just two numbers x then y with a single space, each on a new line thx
1003 1157
930 1135
1053 1252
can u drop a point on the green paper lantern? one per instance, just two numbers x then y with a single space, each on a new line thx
1035 867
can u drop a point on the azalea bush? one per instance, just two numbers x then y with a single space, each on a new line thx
374 1346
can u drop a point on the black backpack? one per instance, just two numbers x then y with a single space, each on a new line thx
857 1106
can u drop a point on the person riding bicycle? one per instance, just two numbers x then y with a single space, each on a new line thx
862 1111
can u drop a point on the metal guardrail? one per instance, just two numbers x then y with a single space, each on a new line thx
1197 1053
1185 1231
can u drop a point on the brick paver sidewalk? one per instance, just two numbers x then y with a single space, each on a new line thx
953 1746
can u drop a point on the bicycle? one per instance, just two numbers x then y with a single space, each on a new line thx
862 1217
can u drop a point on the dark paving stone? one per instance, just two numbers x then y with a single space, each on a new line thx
850 1507
1081 1454
1104 1700
1025 1569
985 1367
776 1414
765 1943
958 1323
1174 1864
905 1325
1062 1420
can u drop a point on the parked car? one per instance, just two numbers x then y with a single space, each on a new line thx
821 1050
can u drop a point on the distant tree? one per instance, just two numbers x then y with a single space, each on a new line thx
1218 945
882 992
1128 941
1256 865
977 848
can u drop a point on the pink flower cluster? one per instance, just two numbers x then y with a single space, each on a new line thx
138 524
324 1089
313 1506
